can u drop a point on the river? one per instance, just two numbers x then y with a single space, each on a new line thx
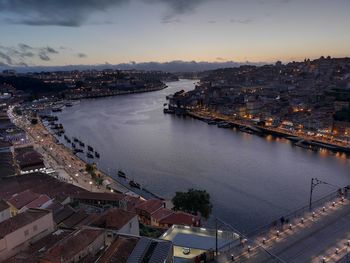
252 180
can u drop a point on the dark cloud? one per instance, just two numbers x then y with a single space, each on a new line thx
81 55
17 55
6 58
74 13
52 12
43 56
211 22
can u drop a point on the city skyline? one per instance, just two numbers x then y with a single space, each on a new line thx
99 32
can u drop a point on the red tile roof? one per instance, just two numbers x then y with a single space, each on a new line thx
180 218
120 250
23 198
99 196
12 224
114 218
67 248
150 206
162 213
39 202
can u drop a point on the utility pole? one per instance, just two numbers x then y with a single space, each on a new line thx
314 183
216 236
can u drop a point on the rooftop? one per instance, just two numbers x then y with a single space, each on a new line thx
150 206
39 202
120 250
198 238
14 223
180 218
114 218
98 196
162 214
23 198
39 183
65 249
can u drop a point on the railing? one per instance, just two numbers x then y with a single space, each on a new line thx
297 215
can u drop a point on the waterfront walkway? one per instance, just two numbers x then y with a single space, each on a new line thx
321 237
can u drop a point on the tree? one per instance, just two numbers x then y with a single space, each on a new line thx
193 201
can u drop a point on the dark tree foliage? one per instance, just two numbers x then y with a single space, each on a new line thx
31 85
194 202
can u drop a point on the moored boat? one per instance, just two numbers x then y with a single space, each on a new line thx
132 183
121 174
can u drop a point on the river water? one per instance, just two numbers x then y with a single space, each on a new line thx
252 180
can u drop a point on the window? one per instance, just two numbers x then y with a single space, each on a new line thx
26 233
130 225
35 228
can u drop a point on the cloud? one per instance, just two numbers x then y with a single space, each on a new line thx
220 59
5 58
17 55
75 13
81 55
241 21
70 13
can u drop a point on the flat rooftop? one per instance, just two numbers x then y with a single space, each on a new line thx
198 238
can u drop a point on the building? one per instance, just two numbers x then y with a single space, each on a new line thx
199 241
118 221
100 200
180 218
153 212
132 249
80 245
146 209
17 232
5 212
19 200
27 199
29 160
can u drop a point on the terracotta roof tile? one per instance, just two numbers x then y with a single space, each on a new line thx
23 198
150 206
114 218
12 224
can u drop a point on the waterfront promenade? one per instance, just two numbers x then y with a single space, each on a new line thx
69 167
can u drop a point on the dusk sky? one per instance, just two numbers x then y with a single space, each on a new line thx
35 32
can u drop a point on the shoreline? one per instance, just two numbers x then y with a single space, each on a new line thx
115 93
298 140
71 167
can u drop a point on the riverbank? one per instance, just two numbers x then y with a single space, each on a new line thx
110 93
70 167
300 140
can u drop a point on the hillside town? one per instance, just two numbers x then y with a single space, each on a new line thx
309 99
57 205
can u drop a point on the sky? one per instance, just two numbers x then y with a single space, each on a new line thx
68 32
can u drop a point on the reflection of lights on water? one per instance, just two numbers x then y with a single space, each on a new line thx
269 138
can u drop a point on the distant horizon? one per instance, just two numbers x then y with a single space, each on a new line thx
168 66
